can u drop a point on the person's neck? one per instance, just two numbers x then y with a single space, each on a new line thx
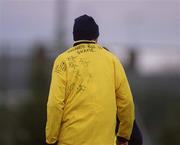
84 41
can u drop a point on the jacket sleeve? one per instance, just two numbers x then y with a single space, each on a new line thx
124 100
55 104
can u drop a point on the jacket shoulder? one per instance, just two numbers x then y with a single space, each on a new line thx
110 54
62 56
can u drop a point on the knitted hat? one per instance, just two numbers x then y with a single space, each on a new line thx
85 28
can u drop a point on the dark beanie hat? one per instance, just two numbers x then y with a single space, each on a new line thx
85 28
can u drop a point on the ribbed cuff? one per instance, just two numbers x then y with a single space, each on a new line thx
121 139
52 144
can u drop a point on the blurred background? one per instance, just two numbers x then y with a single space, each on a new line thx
144 34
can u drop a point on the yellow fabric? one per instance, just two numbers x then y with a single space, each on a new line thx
88 88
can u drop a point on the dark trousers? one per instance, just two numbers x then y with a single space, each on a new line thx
136 136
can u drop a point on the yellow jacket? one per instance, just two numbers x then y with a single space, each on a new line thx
88 88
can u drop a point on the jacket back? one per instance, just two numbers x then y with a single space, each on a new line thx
83 89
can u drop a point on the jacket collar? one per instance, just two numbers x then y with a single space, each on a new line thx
84 41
